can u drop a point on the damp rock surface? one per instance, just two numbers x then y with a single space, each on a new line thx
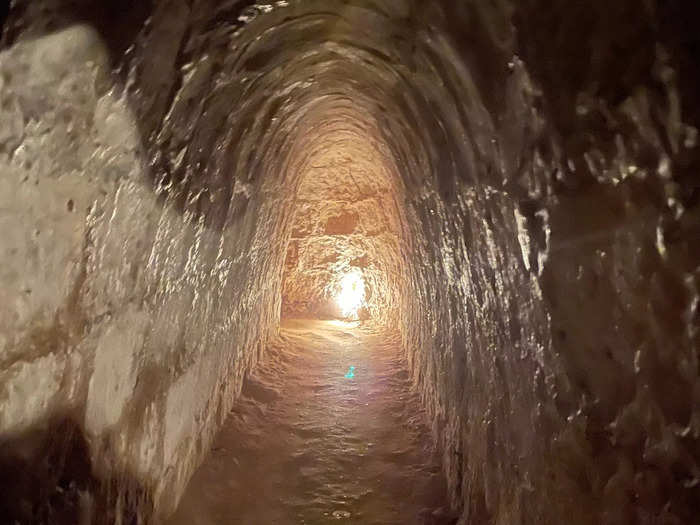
120 318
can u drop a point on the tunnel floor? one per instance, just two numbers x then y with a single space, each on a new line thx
327 429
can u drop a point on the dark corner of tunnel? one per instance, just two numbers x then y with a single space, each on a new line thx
606 50
47 478
4 11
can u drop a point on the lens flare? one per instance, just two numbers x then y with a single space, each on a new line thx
352 294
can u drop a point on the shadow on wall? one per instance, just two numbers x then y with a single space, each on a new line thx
47 477
4 11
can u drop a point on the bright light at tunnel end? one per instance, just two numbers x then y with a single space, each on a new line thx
352 294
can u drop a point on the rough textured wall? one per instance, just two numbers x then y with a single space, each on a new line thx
547 162
126 321
345 220
556 268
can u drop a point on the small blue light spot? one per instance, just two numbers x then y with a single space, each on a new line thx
351 373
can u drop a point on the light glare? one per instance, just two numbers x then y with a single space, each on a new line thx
352 294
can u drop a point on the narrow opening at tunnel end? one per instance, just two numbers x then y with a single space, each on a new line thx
343 254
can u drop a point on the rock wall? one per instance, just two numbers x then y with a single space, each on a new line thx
126 321
556 266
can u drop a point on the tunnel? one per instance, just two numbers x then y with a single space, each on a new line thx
361 261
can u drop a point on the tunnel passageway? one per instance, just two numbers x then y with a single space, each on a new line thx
329 425
327 428
514 184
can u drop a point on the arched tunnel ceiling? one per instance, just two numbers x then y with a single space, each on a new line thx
543 158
